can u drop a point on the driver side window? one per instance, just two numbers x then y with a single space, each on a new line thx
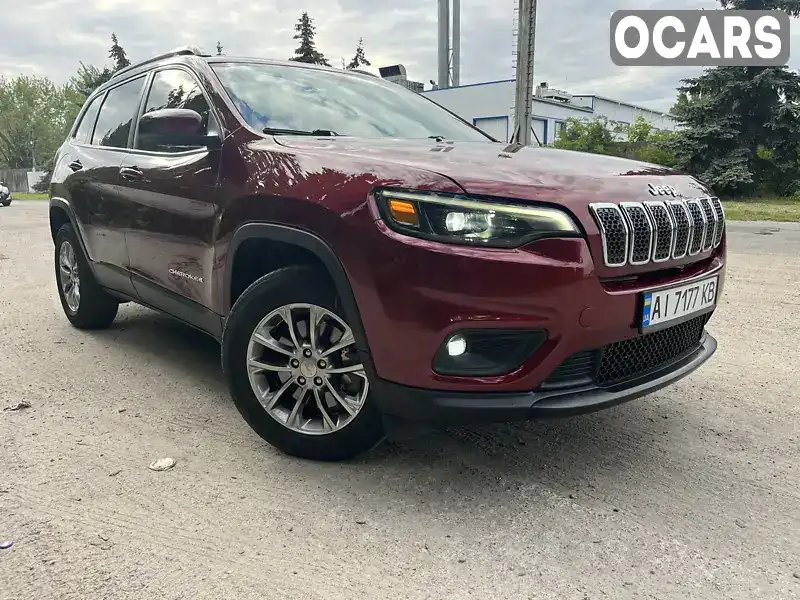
175 88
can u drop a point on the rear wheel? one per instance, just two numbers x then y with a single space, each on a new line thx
85 303
294 371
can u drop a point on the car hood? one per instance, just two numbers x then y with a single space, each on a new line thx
512 171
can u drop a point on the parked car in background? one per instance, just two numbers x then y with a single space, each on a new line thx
5 195
361 252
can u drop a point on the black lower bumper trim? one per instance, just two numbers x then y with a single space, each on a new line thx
443 407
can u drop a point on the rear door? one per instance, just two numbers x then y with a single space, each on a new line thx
172 195
90 167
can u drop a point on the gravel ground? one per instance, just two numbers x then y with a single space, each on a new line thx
693 492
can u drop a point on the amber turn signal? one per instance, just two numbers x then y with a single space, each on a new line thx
404 212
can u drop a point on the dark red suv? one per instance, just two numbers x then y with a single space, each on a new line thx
362 253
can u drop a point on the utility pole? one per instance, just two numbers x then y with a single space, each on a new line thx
444 44
456 43
523 104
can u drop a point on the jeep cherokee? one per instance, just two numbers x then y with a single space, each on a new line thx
361 252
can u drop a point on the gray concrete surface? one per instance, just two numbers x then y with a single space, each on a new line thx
693 492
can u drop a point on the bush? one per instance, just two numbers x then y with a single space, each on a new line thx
639 141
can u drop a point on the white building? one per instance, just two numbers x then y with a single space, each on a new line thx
490 106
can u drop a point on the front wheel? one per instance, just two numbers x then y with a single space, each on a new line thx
294 371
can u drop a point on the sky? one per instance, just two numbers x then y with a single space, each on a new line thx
50 37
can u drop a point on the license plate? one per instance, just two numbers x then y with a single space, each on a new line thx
672 304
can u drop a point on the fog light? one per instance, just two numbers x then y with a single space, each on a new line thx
456 345
486 352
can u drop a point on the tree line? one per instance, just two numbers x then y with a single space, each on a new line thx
36 113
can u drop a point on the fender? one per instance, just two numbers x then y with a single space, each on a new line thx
58 202
315 245
115 280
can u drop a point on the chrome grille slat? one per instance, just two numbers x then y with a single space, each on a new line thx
637 233
663 230
711 223
614 232
641 232
715 202
683 228
699 229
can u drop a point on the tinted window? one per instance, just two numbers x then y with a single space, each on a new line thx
175 88
84 131
117 113
288 97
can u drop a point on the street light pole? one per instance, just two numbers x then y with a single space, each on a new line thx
523 105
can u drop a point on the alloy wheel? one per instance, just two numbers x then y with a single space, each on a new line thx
305 370
69 276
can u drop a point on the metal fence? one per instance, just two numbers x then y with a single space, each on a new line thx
16 180
20 180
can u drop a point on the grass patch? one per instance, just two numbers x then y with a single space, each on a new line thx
764 209
27 196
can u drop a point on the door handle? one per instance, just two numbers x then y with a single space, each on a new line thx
131 173
75 165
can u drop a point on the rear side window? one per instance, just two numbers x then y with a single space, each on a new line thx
117 114
85 128
175 88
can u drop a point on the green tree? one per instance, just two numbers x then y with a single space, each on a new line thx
117 54
359 59
88 78
741 125
34 117
307 51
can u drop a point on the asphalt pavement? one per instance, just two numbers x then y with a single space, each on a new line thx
692 492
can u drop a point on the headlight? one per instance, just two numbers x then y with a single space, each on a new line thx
462 220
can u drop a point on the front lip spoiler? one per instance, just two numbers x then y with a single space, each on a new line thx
457 408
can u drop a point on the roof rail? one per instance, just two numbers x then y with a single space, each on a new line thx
363 72
181 51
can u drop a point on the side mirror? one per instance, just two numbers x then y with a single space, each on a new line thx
174 128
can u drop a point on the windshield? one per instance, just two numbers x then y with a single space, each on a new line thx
303 99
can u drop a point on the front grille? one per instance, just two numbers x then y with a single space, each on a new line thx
578 368
636 233
629 359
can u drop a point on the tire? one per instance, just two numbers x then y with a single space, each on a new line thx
298 287
6 203
95 308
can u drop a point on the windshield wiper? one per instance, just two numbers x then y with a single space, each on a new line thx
438 138
316 132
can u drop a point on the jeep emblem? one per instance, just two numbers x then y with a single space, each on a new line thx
663 190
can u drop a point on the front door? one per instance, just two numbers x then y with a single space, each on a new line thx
172 193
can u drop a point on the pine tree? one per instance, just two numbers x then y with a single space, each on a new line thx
741 125
219 49
359 59
117 54
307 51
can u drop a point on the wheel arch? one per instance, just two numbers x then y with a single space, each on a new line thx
61 213
309 243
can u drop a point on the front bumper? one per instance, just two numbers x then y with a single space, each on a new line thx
450 408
